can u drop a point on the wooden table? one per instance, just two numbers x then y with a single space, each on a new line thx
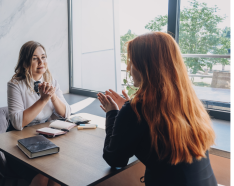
79 161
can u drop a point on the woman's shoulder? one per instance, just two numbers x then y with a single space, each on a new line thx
16 86
15 83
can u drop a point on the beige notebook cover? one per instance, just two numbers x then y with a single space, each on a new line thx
57 124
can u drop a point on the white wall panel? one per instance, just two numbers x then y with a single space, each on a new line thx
96 45
97 25
98 70
44 21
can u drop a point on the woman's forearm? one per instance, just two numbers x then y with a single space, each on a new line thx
59 106
30 113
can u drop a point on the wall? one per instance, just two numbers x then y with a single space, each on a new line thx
44 21
96 45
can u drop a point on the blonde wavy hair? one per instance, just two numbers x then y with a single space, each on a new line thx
176 117
23 69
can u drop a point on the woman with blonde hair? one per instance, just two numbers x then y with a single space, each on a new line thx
34 97
165 125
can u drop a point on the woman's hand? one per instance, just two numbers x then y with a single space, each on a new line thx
117 98
107 103
47 91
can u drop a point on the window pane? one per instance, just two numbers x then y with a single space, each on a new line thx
205 29
95 47
139 17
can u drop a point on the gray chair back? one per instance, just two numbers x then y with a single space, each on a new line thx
4 119
5 172
3 167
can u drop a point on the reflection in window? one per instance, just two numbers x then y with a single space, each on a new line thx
136 18
205 29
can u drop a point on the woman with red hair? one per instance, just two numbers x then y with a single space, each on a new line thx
165 125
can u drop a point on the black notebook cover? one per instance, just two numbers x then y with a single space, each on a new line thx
37 144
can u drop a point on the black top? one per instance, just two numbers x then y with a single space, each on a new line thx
126 137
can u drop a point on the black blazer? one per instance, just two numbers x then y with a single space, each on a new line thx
126 137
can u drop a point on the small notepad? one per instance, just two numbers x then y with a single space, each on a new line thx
56 128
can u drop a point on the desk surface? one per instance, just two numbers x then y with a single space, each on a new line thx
79 161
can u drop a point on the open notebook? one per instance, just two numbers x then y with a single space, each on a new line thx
56 128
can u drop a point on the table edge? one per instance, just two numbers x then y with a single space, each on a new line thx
32 167
218 152
114 173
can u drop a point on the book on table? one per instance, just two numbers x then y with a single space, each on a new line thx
37 146
56 128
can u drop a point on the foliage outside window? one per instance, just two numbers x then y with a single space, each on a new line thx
199 34
128 80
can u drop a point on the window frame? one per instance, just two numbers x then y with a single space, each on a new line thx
173 29
72 89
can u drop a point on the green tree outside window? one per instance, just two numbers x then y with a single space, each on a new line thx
199 34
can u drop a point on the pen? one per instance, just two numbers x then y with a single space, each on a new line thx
62 119
86 126
66 120
65 130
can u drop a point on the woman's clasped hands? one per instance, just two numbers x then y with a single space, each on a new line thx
112 100
47 91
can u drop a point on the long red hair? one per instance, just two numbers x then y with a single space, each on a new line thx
176 117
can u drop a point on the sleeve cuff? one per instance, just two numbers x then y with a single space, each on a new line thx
68 111
110 117
17 120
112 113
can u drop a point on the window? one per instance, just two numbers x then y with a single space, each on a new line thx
204 39
136 18
99 28
95 65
